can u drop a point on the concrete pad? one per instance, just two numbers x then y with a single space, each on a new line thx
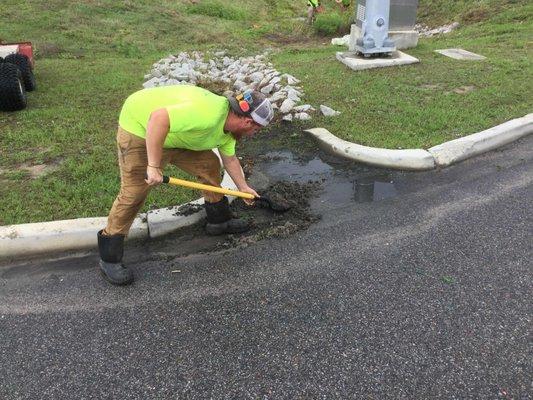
402 39
460 149
413 159
58 236
460 54
358 63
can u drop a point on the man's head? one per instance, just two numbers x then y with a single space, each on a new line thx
250 111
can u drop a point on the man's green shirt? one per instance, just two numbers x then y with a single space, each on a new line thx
197 117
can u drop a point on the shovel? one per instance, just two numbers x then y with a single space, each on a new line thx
263 201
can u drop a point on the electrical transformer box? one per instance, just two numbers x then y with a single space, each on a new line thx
372 18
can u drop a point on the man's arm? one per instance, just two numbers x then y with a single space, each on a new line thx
233 168
156 133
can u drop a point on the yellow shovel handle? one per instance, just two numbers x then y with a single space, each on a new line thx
209 188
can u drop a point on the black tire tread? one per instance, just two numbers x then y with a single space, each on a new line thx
24 65
12 95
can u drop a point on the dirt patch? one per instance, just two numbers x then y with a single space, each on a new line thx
476 15
464 89
45 50
279 38
32 171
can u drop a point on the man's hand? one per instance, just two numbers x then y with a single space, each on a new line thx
248 189
154 176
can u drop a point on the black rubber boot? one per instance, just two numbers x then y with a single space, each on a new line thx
111 250
220 219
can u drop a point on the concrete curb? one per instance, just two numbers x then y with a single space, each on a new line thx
417 160
469 146
442 155
58 236
26 240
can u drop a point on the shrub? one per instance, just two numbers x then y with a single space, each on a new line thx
329 24
217 9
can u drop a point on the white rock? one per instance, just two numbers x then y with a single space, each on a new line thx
304 108
156 73
151 83
287 106
278 96
343 41
293 81
239 85
302 116
275 80
267 89
294 95
287 117
328 112
179 75
172 82
256 77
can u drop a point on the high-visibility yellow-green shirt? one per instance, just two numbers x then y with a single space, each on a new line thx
197 117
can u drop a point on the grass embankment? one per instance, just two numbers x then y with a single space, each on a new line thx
92 55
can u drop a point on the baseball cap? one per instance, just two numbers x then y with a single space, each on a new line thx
257 106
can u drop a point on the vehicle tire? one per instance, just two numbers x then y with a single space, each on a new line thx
13 94
23 63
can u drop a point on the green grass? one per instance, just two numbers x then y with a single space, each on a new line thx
440 12
92 55
417 106
217 9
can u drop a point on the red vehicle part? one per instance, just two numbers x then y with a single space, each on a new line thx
25 48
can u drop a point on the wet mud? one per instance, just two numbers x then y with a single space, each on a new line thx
188 209
264 223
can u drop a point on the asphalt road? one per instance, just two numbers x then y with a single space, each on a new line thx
424 293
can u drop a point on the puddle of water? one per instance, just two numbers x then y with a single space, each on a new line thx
365 192
283 165
341 184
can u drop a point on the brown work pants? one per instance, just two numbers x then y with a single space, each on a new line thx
133 159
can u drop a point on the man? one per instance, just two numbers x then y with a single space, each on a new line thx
179 125
313 7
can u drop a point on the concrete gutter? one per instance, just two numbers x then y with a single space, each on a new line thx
442 155
27 240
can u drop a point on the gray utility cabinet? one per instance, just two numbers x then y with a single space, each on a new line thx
402 15
401 23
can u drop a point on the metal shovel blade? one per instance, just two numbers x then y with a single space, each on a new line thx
274 203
